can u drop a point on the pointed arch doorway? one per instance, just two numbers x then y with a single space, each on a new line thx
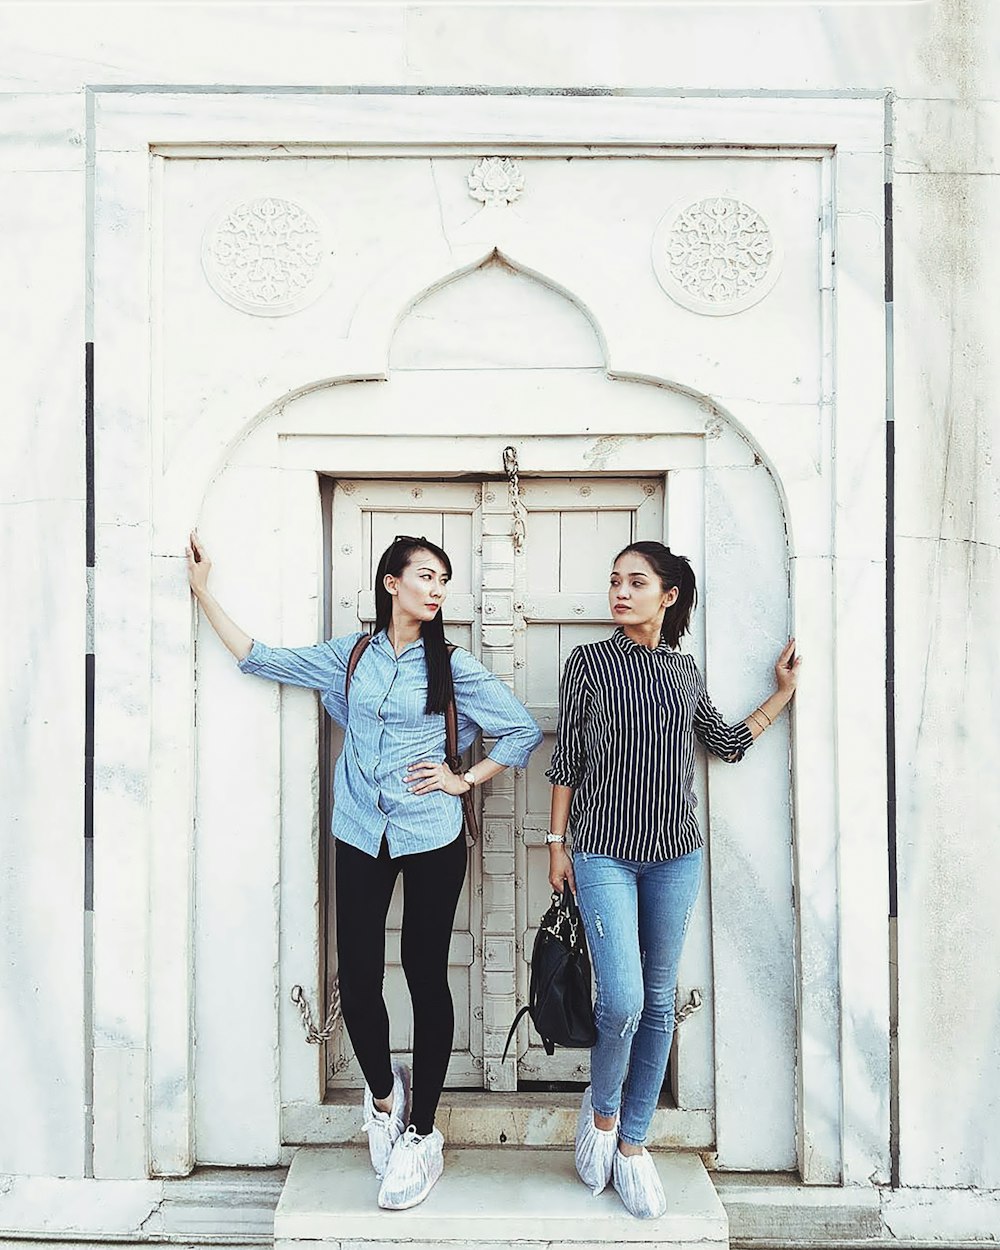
654 463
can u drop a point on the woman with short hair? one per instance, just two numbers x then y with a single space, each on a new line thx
397 812
622 773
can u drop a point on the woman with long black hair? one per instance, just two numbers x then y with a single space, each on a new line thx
397 812
631 707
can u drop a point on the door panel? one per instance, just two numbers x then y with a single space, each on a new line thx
366 518
574 529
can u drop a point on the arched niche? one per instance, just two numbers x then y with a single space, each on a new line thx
490 357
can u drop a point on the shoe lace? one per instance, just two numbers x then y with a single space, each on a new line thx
376 1119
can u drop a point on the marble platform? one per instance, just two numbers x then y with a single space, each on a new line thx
491 1199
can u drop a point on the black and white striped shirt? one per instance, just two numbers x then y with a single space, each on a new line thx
628 718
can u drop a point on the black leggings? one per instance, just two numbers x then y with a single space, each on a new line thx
432 882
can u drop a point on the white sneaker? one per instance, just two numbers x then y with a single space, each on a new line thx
385 1128
638 1184
414 1166
595 1148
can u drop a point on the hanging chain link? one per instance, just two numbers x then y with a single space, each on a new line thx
692 1005
313 1035
510 467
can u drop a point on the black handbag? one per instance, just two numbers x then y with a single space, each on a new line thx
559 999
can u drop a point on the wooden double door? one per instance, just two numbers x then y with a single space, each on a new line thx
530 577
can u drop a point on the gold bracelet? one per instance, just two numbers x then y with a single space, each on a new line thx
765 716
760 726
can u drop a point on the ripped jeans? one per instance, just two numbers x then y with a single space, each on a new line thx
635 915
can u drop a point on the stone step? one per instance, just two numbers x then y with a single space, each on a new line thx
485 1118
490 1199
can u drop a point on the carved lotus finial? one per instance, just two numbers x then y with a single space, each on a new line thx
496 180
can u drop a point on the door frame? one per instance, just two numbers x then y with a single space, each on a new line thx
144 982
695 441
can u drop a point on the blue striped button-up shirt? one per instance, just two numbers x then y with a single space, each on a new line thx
628 718
387 729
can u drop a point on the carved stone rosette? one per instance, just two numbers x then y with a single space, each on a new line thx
496 181
266 256
715 256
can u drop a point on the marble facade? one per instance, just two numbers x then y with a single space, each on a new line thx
113 1003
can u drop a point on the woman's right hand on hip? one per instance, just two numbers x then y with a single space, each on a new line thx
560 868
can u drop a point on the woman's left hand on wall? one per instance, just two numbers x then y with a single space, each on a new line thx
198 564
786 670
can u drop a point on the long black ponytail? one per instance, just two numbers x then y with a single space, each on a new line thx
394 560
672 570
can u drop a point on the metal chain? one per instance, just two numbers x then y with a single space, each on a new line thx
313 1035
690 1007
510 467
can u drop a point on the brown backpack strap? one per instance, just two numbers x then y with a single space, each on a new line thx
357 651
451 728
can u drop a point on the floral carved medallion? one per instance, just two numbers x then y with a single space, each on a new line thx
715 256
496 181
266 256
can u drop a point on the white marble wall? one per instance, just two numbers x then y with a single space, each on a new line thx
936 59
948 658
42 558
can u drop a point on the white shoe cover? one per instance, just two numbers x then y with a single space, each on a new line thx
595 1148
638 1185
414 1165
385 1128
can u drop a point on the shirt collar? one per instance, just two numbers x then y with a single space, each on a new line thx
381 639
621 639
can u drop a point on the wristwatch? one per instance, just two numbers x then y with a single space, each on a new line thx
469 778
555 837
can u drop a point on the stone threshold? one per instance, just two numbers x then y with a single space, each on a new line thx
482 1118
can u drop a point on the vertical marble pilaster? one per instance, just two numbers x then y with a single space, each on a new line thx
499 954
239 813
171 791
859 587
299 928
813 724
122 645
697 1046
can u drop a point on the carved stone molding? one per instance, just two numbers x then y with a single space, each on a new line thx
266 256
496 181
715 256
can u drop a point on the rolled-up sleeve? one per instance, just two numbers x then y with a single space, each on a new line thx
483 701
320 667
728 742
569 755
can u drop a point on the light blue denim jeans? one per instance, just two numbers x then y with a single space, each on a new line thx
635 915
